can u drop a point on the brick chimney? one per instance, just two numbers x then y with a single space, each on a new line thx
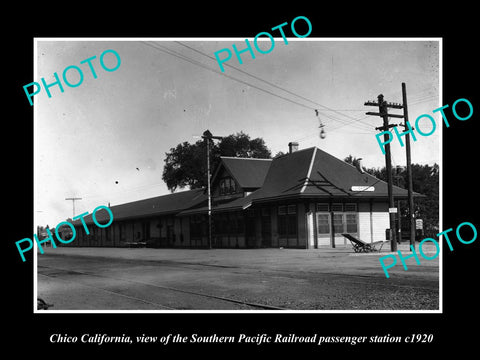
292 147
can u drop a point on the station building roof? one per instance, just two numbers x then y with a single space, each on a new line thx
308 173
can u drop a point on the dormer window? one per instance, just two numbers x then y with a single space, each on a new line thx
227 186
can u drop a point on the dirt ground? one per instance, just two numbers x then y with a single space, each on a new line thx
231 279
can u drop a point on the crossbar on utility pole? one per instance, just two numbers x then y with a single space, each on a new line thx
73 202
383 113
379 114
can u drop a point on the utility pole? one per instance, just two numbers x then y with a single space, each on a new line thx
207 137
383 112
73 201
397 182
409 167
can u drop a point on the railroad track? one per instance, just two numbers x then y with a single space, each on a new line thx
294 274
366 279
59 272
378 280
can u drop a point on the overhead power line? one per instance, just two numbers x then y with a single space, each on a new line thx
196 62
324 108
336 115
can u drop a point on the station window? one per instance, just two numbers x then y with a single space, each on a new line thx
350 207
227 186
292 209
287 220
338 223
323 207
323 226
291 226
198 226
240 224
337 207
352 226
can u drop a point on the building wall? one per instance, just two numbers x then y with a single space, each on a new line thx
290 224
228 230
302 226
373 221
121 229
365 222
380 219
274 220
155 227
245 229
177 229
185 231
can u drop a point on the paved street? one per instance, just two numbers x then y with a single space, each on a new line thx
225 279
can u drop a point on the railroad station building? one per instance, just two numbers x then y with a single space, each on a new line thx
304 199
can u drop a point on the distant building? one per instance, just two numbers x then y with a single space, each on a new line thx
303 199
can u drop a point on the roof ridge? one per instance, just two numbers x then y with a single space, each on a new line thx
351 165
297 151
309 171
158 196
242 158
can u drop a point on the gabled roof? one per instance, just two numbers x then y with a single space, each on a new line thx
160 205
310 173
248 172
286 175
314 173
333 176
236 204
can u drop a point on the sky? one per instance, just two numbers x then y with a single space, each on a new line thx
105 140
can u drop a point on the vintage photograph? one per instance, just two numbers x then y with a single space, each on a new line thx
237 175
